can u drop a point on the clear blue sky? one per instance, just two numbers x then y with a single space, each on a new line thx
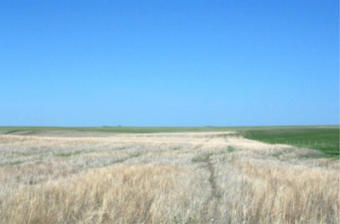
169 63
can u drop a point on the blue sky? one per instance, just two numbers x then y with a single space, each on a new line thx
169 63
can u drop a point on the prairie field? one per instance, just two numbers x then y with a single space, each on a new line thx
71 176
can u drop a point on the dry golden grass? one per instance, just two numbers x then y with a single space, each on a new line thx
121 194
163 178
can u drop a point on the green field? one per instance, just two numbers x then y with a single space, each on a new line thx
322 138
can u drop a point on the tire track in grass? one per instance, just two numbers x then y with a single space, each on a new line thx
215 194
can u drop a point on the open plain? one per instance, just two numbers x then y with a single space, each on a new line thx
193 177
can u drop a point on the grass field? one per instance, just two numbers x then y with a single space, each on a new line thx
115 129
322 138
325 139
86 175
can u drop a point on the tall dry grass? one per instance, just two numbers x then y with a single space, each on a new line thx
163 178
272 192
122 194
